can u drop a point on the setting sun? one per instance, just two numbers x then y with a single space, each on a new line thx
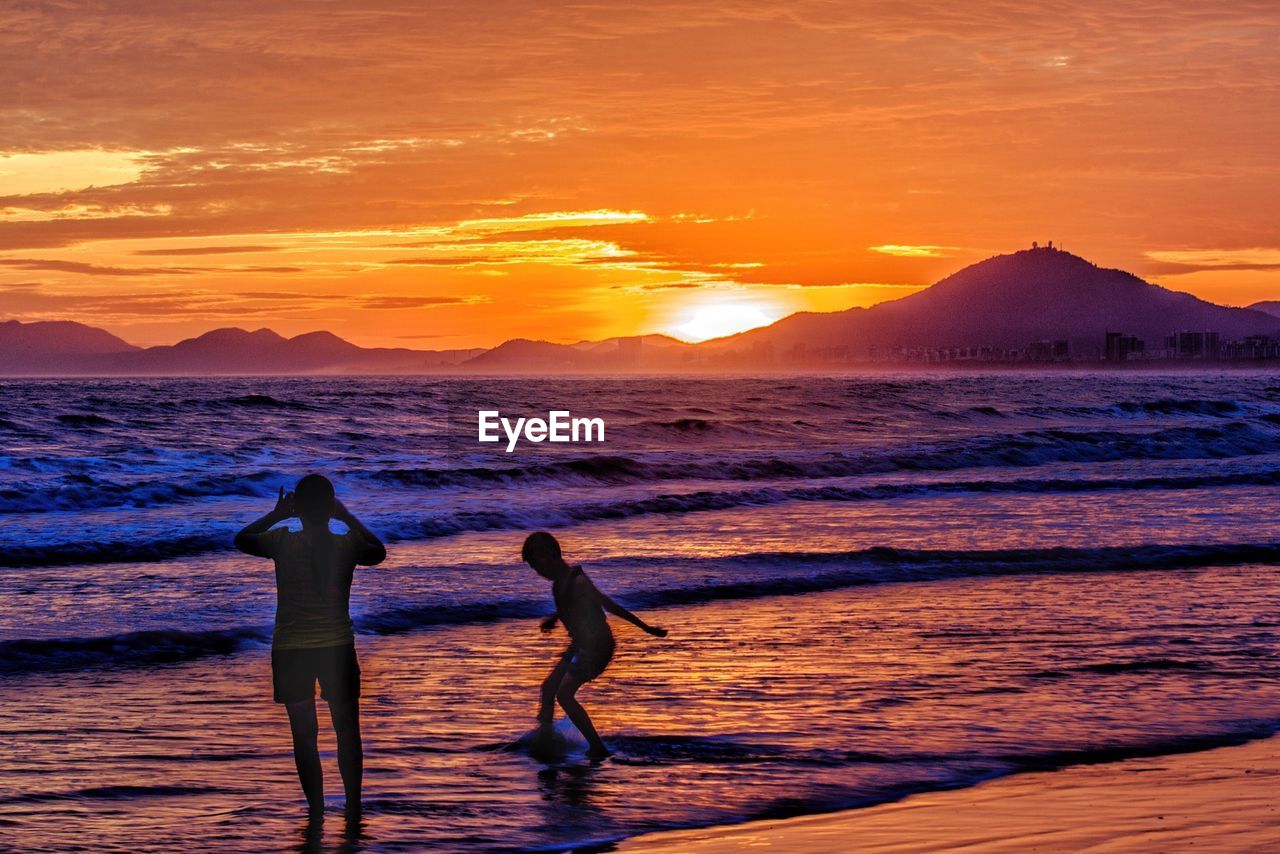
716 321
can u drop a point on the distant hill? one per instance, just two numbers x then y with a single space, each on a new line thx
61 337
653 352
239 351
1271 307
1009 301
1006 302
49 346
83 350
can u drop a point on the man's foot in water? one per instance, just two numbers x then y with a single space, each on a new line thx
599 751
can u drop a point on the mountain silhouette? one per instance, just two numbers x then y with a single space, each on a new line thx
641 351
1271 307
73 348
234 350
1009 301
55 345
263 351
1005 302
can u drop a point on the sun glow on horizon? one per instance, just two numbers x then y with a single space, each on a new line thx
717 321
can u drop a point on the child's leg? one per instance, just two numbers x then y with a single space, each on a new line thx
569 686
550 685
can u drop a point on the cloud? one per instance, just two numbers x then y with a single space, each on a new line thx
659 286
207 250
86 269
553 219
909 251
406 302
289 296
91 269
41 303
30 299
52 209
262 269
59 171
1175 261
448 261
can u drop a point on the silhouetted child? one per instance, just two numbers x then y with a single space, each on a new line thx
580 606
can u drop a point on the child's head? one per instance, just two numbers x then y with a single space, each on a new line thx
313 498
542 552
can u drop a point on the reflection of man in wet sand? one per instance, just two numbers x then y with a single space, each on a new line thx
313 640
580 606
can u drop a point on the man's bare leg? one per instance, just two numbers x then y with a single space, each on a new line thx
306 753
346 726
569 686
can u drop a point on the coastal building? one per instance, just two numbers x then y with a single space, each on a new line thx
1121 347
1192 345
1250 348
1047 351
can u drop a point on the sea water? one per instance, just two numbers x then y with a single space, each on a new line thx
874 584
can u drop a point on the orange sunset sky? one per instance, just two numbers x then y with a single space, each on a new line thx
441 175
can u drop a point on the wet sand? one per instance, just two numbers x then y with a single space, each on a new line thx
1222 800
800 703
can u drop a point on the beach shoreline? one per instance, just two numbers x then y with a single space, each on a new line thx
984 579
1220 799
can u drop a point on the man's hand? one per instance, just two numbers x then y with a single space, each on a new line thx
548 624
340 511
373 552
285 508
656 632
249 538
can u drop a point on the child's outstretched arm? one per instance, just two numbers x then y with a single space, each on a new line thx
614 608
548 624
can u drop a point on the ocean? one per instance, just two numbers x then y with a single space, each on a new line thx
875 585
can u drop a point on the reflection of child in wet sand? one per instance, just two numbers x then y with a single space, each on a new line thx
580 606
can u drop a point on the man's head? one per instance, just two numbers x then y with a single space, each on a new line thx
542 552
313 498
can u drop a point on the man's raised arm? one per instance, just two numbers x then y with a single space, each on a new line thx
249 540
371 551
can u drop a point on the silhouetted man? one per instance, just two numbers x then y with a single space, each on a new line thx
313 640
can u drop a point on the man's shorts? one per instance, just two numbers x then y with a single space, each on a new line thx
586 663
294 673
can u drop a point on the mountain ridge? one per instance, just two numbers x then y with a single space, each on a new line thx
1004 302
1270 306
1036 294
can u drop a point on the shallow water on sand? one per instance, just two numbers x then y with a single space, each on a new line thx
874 586
768 707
